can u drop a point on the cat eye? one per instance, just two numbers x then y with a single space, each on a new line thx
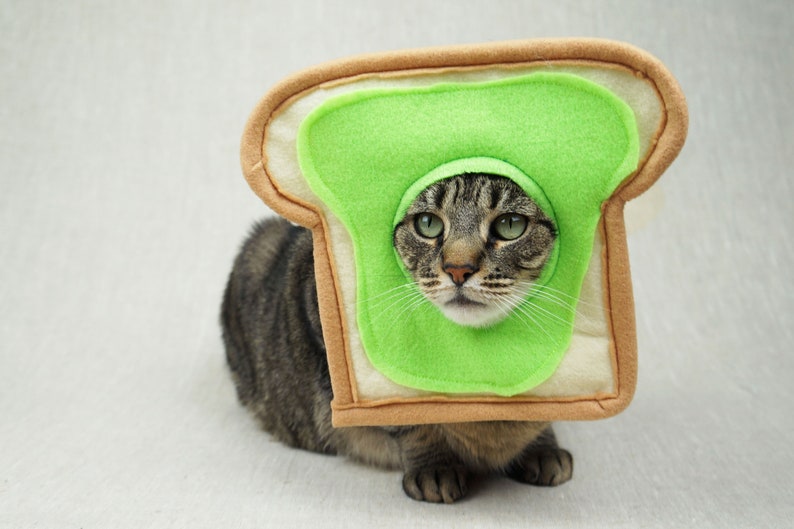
428 225
509 226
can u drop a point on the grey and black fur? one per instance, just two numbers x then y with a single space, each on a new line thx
274 347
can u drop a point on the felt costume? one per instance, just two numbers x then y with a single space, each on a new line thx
580 125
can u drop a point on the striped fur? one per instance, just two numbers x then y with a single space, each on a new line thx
500 272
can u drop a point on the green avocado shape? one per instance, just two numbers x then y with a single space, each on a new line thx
566 141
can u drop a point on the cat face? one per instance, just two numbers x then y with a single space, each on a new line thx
474 244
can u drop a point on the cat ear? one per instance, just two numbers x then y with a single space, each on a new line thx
337 147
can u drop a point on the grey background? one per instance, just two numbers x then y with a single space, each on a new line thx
122 205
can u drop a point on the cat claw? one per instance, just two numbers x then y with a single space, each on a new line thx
547 468
436 485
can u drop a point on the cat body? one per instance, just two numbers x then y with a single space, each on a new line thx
460 241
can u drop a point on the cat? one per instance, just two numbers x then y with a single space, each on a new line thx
473 244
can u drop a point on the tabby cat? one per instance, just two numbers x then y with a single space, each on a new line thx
474 244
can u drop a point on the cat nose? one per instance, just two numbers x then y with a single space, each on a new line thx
460 273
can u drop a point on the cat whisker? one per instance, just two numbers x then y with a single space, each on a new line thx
399 299
412 303
541 312
390 292
408 297
569 308
562 296
517 298
504 306
520 311
572 308
549 314
399 302
508 309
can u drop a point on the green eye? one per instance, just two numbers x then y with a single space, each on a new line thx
428 225
509 226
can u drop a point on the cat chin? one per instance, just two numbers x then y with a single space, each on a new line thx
475 315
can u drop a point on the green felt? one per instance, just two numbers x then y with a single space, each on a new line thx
567 141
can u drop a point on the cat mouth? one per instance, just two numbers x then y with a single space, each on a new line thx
465 311
462 301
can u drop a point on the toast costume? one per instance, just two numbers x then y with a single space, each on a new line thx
581 125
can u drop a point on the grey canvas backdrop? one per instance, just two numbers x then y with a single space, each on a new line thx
122 206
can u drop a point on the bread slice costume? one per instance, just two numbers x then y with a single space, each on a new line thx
581 125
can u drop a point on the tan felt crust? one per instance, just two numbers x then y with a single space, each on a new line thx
348 410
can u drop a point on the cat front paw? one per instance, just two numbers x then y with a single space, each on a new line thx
547 467
436 484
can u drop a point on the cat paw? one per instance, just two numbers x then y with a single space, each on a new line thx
547 467
436 485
